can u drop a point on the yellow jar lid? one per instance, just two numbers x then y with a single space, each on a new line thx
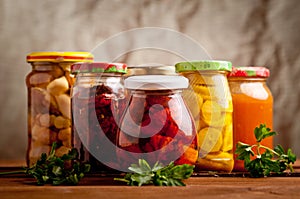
60 57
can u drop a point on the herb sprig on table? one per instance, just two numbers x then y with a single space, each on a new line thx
51 169
158 175
271 161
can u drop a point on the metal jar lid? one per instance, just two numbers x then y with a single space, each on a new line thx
150 70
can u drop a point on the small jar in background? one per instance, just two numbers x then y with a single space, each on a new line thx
209 100
49 115
97 104
252 106
150 70
156 125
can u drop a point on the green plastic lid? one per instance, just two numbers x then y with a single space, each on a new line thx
203 65
99 67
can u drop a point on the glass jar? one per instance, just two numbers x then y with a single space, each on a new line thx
210 102
252 104
97 101
49 115
156 125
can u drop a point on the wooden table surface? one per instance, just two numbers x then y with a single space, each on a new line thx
204 185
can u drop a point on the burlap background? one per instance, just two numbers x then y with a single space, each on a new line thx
246 32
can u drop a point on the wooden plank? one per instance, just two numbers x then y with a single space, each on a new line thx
197 187
203 185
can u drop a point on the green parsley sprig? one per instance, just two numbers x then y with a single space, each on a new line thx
67 170
271 161
158 175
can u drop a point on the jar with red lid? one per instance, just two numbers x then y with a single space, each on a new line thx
49 115
97 99
252 105
156 125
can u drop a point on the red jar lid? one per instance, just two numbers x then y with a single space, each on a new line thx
249 71
99 67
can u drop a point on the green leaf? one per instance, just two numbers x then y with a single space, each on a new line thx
158 175
279 149
139 180
263 132
291 156
157 166
271 161
57 170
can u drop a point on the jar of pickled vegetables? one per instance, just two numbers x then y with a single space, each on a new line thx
156 125
97 101
252 105
49 115
209 100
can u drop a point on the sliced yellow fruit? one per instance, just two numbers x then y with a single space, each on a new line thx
210 140
216 162
227 133
211 114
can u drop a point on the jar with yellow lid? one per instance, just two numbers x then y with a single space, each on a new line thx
252 104
210 103
49 104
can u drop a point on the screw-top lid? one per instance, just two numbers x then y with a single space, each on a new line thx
156 82
203 65
151 70
98 67
60 57
249 71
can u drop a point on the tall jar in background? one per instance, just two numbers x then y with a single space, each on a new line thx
49 116
156 125
210 103
252 105
97 103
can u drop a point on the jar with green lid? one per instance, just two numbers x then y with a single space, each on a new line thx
49 115
210 103
97 103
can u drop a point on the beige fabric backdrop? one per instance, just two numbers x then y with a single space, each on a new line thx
255 32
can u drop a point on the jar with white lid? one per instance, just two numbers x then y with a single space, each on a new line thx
156 125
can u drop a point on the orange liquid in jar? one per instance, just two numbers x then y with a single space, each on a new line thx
249 112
